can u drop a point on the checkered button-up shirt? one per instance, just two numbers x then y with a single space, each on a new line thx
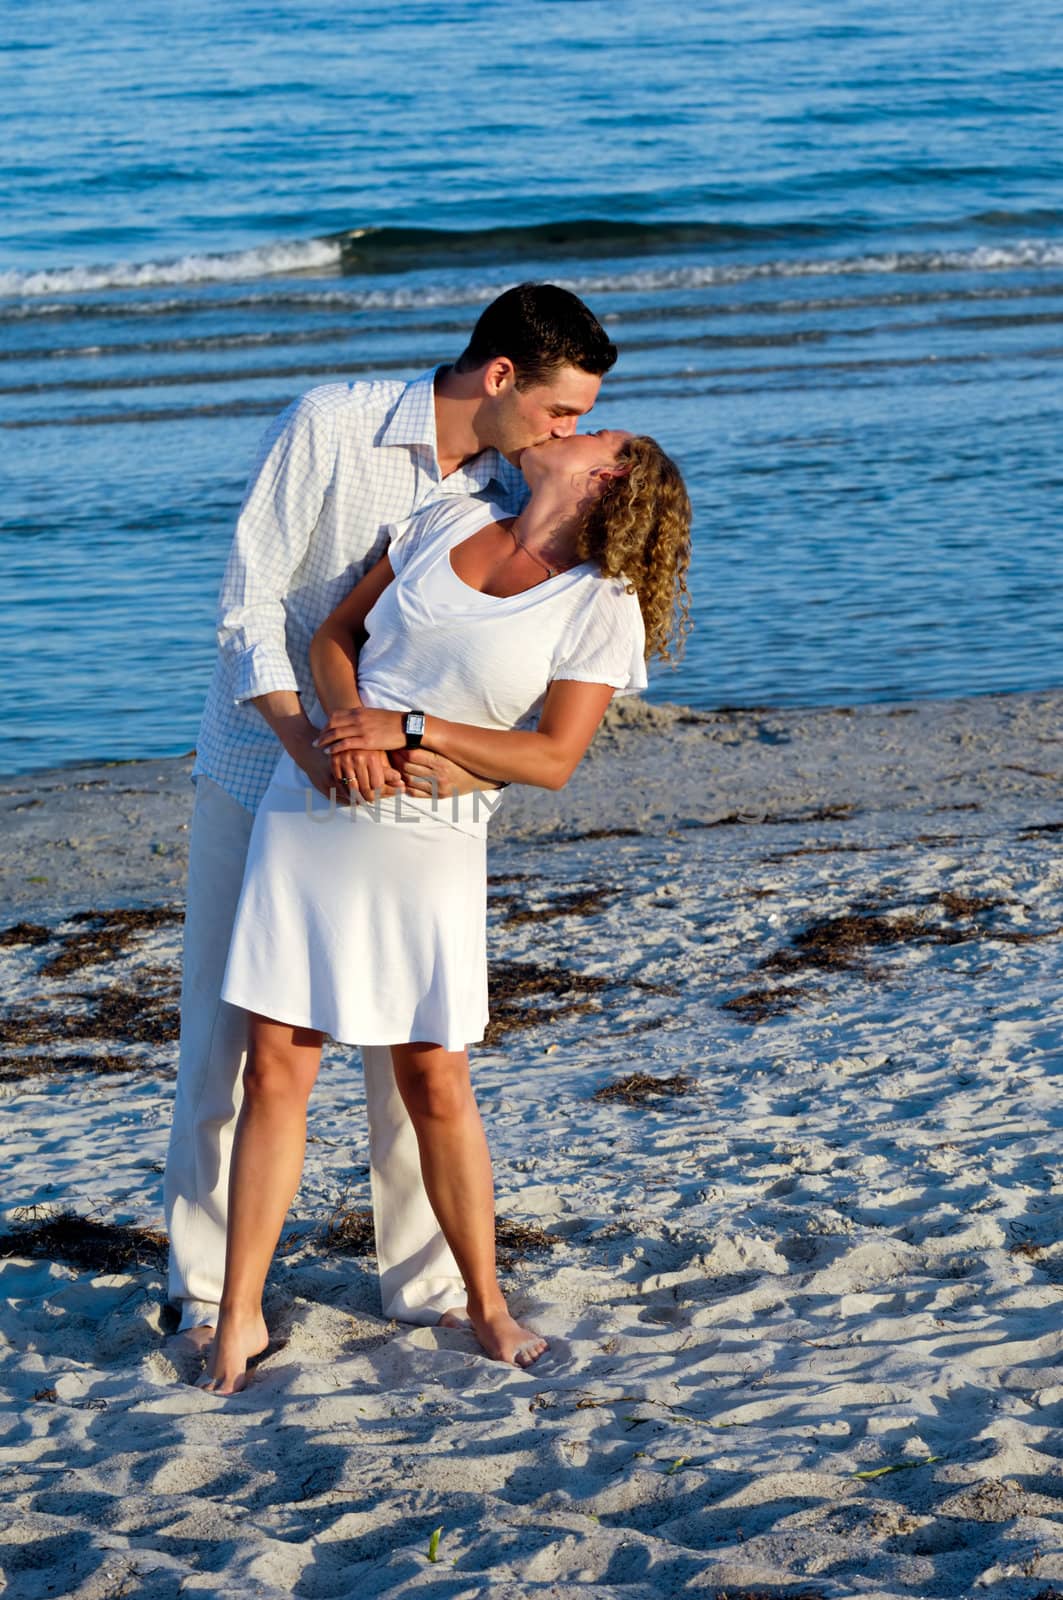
336 472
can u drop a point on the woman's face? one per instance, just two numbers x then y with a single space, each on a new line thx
579 459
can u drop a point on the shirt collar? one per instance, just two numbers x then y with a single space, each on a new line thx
413 420
413 423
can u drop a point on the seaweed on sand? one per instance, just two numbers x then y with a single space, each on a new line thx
757 1005
577 903
350 1232
524 994
85 1242
14 1068
592 834
557 991
25 933
106 934
744 819
839 944
639 1087
770 1594
134 1017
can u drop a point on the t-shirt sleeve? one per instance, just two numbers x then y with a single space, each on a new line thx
608 641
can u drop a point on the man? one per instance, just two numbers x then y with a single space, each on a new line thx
338 470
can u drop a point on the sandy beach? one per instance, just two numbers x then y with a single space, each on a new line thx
769 1092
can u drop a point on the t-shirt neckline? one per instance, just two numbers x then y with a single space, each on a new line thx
545 584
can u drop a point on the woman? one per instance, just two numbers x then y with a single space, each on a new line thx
368 923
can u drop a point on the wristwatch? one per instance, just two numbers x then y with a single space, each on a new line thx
413 728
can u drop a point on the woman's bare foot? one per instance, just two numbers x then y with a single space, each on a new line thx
237 1341
503 1337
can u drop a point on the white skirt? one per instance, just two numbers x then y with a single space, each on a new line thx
366 925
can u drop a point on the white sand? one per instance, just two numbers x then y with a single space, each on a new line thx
839 1252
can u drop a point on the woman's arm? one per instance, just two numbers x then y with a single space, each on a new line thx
546 758
334 664
334 647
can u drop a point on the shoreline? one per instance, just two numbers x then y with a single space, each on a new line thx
887 705
120 829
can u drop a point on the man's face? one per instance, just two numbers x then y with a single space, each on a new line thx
547 410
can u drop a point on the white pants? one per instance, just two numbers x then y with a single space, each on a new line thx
419 1278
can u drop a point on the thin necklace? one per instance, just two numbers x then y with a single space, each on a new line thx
551 572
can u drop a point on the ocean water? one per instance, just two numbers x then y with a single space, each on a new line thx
828 240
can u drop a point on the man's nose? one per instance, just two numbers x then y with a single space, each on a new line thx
564 427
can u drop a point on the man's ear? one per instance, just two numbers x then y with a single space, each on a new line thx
499 375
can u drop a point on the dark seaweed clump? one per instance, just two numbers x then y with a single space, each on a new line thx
839 944
774 819
578 903
523 994
770 1594
87 1243
757 1005
25 933
639 1087
129 1016
14 1068
106 935
350 1232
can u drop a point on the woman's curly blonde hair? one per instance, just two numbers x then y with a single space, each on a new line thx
639 529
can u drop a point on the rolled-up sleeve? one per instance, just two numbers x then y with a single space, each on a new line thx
277 518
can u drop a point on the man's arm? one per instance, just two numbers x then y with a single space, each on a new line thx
277 519
280 510
283 711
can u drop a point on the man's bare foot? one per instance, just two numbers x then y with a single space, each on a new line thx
191 1341
236 1343
504 1339
456 1317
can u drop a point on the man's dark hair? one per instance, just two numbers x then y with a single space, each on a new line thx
540 327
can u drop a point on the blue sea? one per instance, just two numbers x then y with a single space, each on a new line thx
827 238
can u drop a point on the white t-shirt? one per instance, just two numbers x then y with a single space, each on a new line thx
486 659
437 645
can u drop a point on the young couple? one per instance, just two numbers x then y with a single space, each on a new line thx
434 590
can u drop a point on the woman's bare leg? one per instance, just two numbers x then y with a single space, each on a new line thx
267 1163
456 1166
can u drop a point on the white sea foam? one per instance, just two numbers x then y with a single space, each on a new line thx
239 266
981 258
324 255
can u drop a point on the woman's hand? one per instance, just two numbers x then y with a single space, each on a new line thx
362 728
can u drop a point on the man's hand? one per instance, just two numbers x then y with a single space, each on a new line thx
418 768
358 766
316 764
367 773
283 712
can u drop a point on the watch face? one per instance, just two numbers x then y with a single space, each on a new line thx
415 722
